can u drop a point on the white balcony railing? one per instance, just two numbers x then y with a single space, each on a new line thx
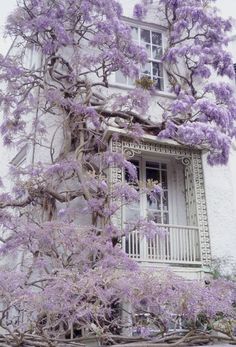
179 244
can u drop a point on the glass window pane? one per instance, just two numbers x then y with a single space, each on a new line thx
157 208
151 204
152 174
145 36
147 69
148 50
164 166
154 216
156 38
154 204
166 218
157 69
158 83
165 201
152 164
156 52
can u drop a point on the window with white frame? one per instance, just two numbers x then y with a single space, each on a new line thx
152 41
180 241
152 209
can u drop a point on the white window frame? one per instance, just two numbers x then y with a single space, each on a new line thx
128 83
172 191
174 246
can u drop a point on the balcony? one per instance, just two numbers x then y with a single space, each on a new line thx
178 245
183 210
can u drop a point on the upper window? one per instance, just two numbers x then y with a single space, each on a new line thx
152 42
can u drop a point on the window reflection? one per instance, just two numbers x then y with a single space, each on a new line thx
145 35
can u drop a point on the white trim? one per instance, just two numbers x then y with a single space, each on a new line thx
109 131
151 28
152 25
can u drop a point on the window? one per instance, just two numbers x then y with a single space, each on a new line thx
154 209
153 43
158 210
180 242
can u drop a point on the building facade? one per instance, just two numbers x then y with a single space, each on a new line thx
198 207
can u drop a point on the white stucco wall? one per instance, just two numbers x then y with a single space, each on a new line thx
220 182
221 207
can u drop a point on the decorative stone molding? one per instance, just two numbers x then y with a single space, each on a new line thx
202 219
194 182
154 148
116 175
